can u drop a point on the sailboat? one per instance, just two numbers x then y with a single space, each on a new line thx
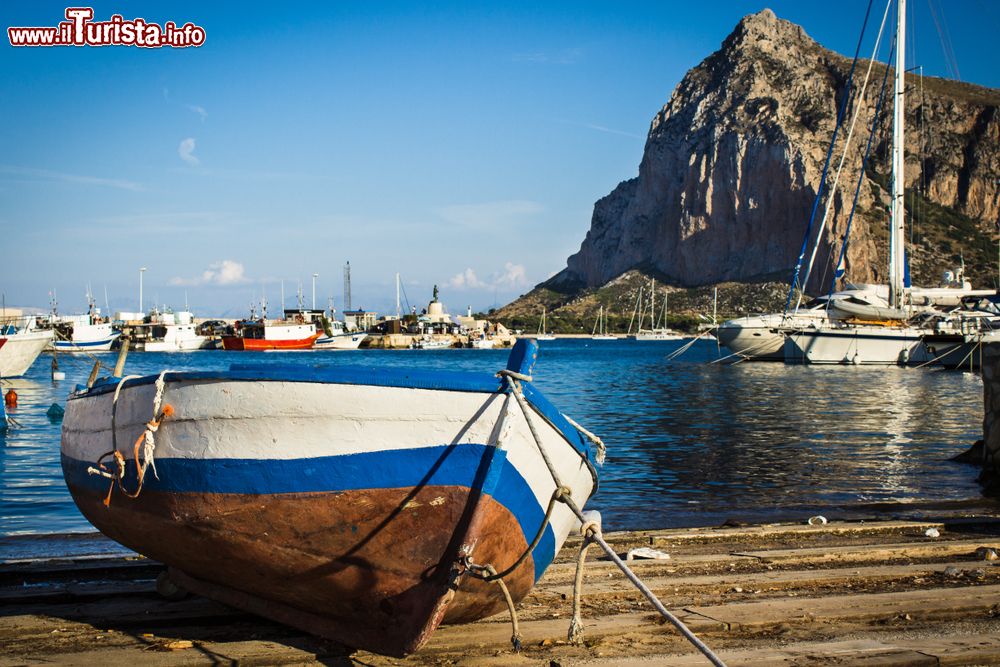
656 332
874 333
542 333
862 324
600 328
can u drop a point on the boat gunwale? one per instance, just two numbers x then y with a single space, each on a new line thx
432 380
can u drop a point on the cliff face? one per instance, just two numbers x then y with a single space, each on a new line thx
732 163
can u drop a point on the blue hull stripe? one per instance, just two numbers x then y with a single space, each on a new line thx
446 465
68 345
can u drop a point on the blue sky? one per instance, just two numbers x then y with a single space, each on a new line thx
459 143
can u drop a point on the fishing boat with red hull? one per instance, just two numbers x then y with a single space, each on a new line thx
354 503
268 335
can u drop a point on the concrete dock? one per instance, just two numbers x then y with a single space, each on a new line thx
858 593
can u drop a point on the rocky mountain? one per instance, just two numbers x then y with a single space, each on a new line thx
732 163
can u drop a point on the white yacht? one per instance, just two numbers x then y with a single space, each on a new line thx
762 337
20 344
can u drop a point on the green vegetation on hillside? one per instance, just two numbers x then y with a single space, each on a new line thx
939 239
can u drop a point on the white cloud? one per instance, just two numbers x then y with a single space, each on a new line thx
489 214
186 151
513 276
198 110
466 280
226 272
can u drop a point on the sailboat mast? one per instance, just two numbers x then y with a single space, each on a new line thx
652 304
897 259
665 325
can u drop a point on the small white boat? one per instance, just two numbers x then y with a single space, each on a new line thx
482 343
428 342
20 344
175 332
338 338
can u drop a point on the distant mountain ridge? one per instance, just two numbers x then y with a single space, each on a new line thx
732 162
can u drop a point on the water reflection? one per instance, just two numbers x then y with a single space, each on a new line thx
689 442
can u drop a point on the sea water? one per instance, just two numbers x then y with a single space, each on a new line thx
690 442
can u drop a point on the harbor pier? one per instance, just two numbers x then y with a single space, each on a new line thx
854 593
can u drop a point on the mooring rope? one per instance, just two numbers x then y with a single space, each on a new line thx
687 346
146 439
592 534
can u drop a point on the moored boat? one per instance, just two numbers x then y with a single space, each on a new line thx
271 335
336 337
429 342
482 343
175 332
81 333
351 503
600 328
20 345
543 333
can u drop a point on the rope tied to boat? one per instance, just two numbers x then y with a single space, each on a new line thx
593 535
575 633
147 439
488 573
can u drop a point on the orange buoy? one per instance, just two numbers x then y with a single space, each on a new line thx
10 399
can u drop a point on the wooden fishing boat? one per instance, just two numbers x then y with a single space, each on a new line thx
354 503
271 335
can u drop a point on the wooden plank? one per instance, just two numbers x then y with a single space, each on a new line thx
922 604
929 548
978 649
720 584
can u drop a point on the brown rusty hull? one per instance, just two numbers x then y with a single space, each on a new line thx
373 568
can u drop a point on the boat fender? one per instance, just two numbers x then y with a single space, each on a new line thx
10 399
